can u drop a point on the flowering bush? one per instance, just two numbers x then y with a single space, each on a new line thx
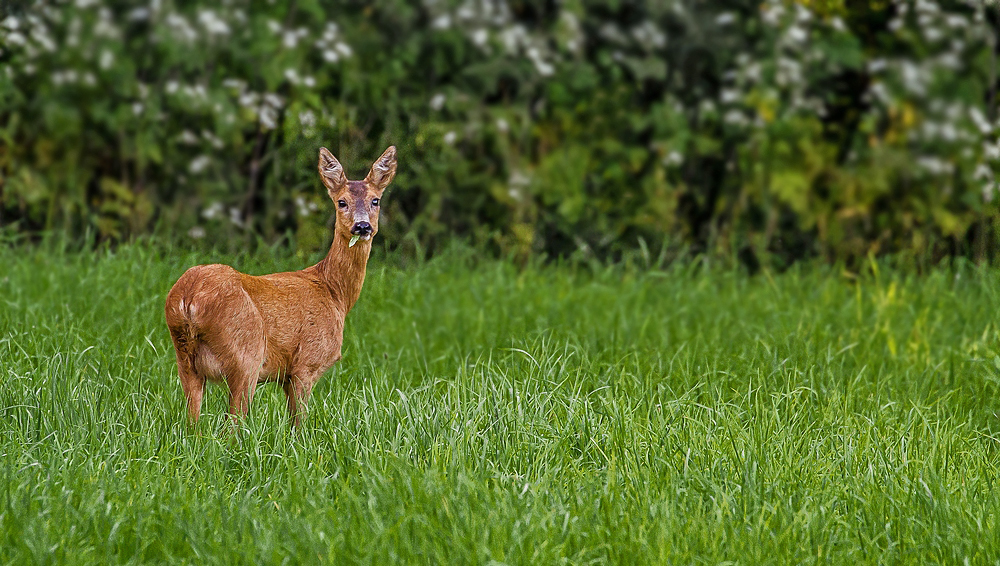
794 129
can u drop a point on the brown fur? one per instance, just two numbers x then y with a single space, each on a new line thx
283 327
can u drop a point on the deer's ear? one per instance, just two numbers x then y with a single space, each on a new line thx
383 170
331 171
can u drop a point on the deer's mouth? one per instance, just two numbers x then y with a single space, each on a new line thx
357 238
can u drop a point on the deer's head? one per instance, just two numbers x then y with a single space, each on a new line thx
357 201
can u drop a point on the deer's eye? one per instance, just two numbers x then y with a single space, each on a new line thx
342 203
374 202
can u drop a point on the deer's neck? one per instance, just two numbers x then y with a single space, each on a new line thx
343 269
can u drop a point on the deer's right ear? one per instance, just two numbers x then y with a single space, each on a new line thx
383 170
331 171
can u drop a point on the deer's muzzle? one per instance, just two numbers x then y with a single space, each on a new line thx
361 229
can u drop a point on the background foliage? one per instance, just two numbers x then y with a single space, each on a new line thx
577 127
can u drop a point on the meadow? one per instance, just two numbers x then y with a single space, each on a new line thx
488 413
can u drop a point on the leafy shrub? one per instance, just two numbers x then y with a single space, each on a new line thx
588 126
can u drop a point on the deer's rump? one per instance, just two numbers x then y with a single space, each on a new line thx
214 323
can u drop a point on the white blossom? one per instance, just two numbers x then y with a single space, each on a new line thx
344 49
16 38
441 22
180 28
437 101
932 34
466 12
729 96
249 99
512 37
949 61
235 217
140 14
42 38
543 67
649 36
197 165
212 23
992 151
913 78
983 172
212 139
879 91
290 38
198 92
517 183
980 120
725 18
214 210
956 21
772 13
789 72
735 118
307 118
187 137
330 31
796 35
273 100
673 158
479 37
934 165
268 117
107 59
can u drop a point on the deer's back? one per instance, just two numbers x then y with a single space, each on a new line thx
289 319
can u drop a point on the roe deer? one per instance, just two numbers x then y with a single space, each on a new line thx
284 327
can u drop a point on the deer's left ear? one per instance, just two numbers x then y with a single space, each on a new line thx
331 172
383 170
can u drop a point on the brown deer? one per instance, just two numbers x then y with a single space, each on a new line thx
284 327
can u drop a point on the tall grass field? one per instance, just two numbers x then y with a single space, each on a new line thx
485 413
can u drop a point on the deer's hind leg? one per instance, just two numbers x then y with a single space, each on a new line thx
192 383
241 358
193 386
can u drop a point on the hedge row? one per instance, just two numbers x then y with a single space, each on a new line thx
577 127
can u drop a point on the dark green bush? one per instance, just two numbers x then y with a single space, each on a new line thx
583 126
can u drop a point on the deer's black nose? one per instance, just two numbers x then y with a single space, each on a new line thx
361 229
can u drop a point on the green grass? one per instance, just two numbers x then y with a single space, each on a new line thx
484 413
